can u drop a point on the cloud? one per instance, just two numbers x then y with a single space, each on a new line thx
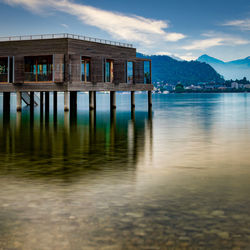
163 53
207 43
119 26
65 25
243 24
33 5
204 44
186 57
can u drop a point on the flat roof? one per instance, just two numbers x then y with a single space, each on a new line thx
63 35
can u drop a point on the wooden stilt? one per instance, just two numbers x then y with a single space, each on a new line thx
18 101
112 100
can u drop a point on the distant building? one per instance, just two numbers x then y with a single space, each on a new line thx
193 87
235 85
247 86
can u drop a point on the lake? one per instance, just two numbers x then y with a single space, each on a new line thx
176 178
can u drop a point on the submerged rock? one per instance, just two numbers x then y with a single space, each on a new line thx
184 238
218 213
223 235
135 215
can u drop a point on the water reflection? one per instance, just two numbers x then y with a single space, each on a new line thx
73 145
176 178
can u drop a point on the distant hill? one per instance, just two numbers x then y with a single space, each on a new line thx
230 70
168 69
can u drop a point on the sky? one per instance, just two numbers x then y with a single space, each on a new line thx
181 28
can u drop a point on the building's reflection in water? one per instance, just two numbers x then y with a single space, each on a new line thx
73 144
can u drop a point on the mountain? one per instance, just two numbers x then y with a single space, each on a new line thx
230 70
208 59
168 69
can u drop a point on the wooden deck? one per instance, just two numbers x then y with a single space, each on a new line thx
81 87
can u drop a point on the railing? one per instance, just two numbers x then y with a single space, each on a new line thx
26 98
40 77
64 35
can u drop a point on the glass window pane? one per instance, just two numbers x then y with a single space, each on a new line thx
88 71
130 72
147 76
30 69
107 72
83 70
38 68
4 69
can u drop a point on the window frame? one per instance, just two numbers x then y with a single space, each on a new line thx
111 71
8 66
85 60
131 81
49 69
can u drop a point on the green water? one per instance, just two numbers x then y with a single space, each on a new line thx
174 179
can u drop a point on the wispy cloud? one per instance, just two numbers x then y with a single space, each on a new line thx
65 25
243 24
186 56
207 43
203 44
119 26
163 53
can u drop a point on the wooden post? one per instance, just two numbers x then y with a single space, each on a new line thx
6 107
41 100
55 101
18 122
92 100
73 100
149 99
31 100
132 99
55 107
132 114
46 103
18 101
6 101
112 100
66 101
112 126
41 107
92 124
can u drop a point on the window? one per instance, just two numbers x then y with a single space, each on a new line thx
38 68
109 76
85 69
3 69
130 72
147 74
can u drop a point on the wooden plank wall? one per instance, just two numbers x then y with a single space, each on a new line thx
97 69
34 47
58 68
75 64
99 53
138 72
19 69
70 51
119 71
92 49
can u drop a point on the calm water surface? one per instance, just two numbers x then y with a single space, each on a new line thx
174 179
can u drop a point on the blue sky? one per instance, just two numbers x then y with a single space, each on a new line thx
184 28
